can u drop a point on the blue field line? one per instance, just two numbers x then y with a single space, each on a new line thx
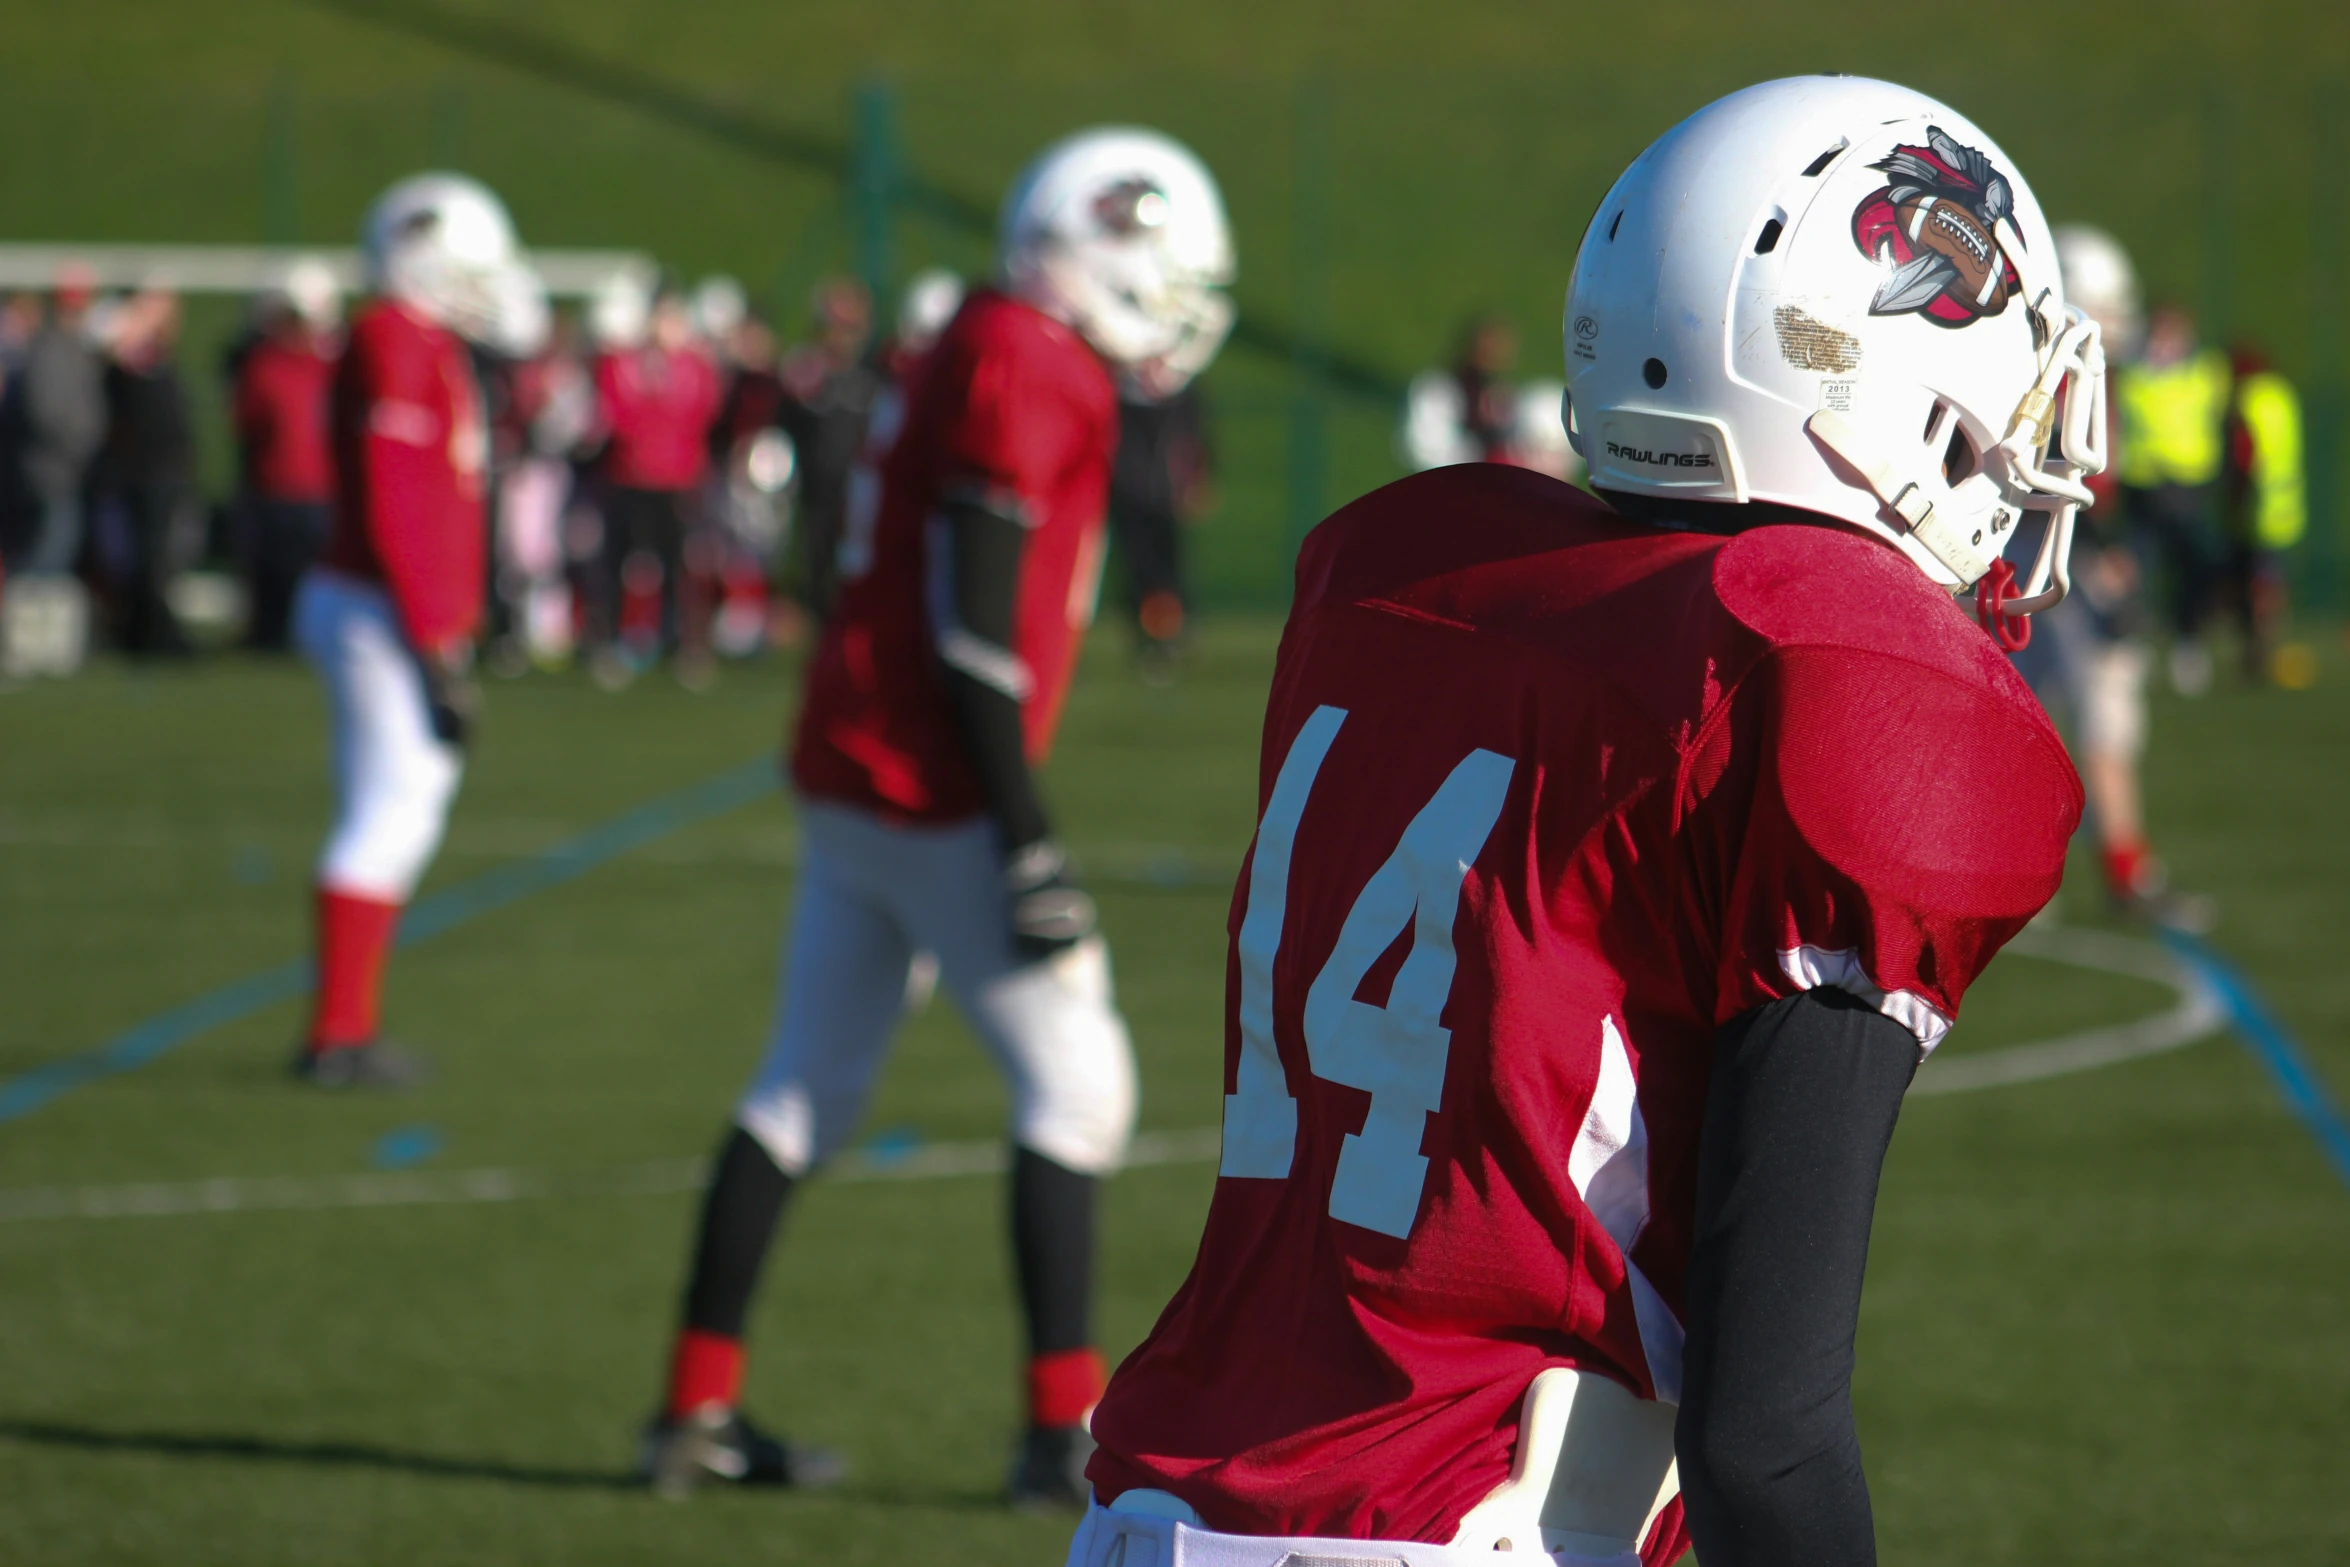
2304 1092
429 917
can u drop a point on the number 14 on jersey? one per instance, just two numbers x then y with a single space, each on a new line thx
1396 1053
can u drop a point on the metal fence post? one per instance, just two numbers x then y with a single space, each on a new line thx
280 215
2219 211
873 187
1309 410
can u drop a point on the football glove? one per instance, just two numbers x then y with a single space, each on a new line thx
1050 912
450 695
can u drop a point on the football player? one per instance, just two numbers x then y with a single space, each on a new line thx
388 614
2094 661
1619 861
967 573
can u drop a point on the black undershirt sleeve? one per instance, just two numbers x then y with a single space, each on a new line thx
1804 1095
973 592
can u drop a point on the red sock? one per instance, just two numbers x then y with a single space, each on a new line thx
354 937
1064 1386
2124 864
706 1369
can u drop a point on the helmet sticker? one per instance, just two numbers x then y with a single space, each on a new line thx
1936 225
1130 206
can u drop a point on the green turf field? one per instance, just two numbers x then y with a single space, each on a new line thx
2105 1319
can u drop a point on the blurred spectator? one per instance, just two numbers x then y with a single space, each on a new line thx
1162 479
552 406
2173 402
657 403
753 465
2267 506
1472 413
719 307
1538 440
1468 413
147 473
830 387
55 424
20 318
286 463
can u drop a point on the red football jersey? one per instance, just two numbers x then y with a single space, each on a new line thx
1012 406
1548 797
659 407
409 447
284 391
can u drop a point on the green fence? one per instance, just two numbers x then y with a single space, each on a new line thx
1374 209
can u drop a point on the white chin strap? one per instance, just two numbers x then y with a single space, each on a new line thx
1968 525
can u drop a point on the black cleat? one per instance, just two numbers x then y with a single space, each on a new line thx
716 1443
1048 1474
379 1063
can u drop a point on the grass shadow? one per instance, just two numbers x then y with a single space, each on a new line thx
270 1450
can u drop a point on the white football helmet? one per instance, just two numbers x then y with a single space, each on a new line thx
719 307
309 289
1838 295
1121 233
2099 279
926 308
620 311
443 244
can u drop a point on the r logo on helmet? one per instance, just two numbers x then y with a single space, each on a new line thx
1937 226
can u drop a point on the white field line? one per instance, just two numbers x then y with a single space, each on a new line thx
2198 1012
423 1188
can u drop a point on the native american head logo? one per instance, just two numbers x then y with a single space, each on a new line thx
1937 225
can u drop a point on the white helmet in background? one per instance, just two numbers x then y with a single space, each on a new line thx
310 289
443 244
929 303
1121 233
620 311
1839 295
2099 279
719 307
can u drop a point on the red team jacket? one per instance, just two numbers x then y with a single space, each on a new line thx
409 447
1549 796
284 391
659 407
1010 405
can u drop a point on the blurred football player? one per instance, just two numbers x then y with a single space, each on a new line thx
967 574
1619 861
2094 662
388 614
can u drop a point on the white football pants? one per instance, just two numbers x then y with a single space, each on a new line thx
872 894
394 778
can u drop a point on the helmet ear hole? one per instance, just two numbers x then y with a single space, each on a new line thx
1934 417
1958 460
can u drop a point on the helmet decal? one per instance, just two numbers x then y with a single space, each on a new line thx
1130 206
1936 225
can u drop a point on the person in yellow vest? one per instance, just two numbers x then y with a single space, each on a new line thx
2267 506
2173 404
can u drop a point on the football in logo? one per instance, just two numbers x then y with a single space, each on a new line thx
1936 225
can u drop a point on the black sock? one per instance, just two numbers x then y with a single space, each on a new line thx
746 1197
1052 1246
